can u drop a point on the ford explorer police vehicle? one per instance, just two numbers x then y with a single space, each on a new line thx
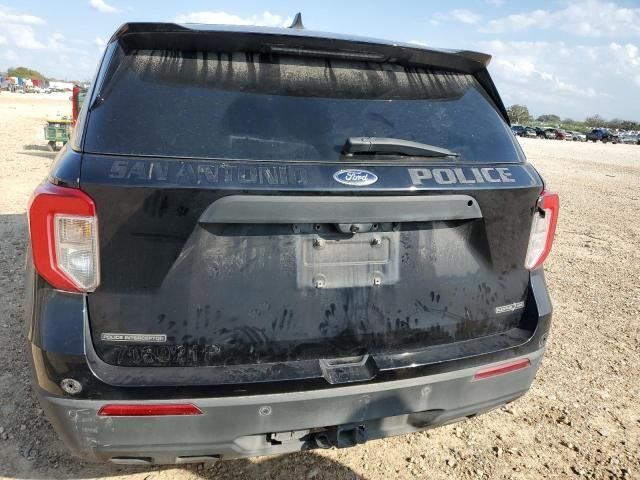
264 240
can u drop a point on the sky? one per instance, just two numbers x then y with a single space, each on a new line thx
574 58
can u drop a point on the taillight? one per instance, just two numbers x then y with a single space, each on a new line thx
64 238
148 410
543 228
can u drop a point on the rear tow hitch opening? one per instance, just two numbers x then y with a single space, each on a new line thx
342 436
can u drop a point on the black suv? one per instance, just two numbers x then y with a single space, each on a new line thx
267 240
603 135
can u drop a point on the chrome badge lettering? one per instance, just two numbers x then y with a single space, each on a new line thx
449 176
205 173
512 307
133 337
356 178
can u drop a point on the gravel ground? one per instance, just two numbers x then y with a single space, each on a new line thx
580 419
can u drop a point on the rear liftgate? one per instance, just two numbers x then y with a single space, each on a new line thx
288 286
343 242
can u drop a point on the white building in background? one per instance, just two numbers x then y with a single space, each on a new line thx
61 85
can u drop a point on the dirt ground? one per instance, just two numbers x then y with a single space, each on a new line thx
580 419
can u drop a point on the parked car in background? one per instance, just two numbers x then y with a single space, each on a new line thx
518 130
522 131
630 137
540 132
602 134
578 137
558 134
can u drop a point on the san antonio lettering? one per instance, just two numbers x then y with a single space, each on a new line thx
205 173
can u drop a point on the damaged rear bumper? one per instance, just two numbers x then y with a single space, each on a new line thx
246 426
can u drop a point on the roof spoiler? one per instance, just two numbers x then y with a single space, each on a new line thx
190 37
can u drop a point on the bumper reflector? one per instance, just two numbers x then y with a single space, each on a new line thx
502 369
148 410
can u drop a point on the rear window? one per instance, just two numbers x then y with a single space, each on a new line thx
271 107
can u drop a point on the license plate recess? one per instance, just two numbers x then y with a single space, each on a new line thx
368 259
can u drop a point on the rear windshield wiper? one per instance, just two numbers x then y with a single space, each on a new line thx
393 146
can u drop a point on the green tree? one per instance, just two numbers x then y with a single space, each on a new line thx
25 73
595 121
549 118
615 123
519 114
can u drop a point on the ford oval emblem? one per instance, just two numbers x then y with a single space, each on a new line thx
357 178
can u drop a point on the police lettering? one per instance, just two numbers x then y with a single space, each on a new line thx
449 176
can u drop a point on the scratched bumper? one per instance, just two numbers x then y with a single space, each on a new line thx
234 427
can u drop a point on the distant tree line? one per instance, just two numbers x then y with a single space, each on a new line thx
520 114
25 72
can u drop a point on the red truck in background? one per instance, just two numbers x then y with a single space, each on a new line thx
77 99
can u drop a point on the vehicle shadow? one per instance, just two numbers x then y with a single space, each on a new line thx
49 155
33 150
307 465
42 148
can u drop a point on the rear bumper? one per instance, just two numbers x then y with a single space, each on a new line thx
242 426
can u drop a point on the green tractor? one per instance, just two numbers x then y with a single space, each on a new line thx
58 130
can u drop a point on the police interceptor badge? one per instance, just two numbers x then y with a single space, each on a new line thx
354 177
133 337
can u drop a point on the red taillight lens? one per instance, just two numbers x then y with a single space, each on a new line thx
64 237
502 369
149 410
543 229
